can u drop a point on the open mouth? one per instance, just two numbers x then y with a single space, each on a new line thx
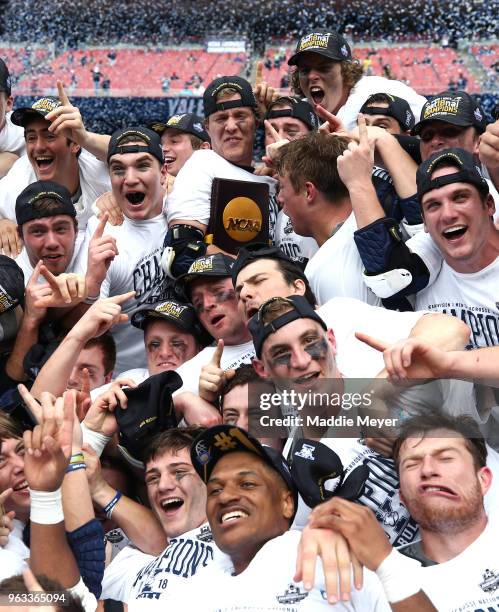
251 311
438 489
455 232
307 378
172 505
43 161
233 516
216 319
135 197
22 486
317 94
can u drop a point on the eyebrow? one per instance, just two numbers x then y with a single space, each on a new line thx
171 465
438 451
145 157
251 279
240 474
302 337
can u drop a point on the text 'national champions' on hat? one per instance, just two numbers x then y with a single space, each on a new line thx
39 109
189 123
454 107
328 44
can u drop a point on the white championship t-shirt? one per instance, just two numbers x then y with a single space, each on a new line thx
141 580
298 248
336 269
191 195
369 85
137 268
470 581
267 585
94 181
12 137
473 298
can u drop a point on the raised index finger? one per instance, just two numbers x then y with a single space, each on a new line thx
273 132
379 345
334 123
217 355
63 97
361 122
259 73
99 230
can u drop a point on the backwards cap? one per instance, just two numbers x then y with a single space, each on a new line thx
240 86
151 142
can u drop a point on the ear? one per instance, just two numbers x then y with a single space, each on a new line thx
310 192
299 287
74 147
205 145
490 205
331 339
108 378
287 504
259 368
9 104
485 478
164 173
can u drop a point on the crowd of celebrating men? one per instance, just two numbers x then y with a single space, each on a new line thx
137 466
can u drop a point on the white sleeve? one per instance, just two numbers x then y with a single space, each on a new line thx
423 245
191 195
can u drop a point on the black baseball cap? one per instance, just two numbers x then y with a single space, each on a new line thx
250 253
300 309
240 86
5 80
468 172
454 107
299 109
11 284
181 315
217 264
216 442
329 44
39 108
187 122
398 108
151 142
25 211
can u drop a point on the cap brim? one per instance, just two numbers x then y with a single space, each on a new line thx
416 130
20 116
153 314
293 60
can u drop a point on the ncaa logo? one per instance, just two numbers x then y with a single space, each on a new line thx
202 451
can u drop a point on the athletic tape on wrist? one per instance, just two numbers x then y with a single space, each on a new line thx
95 439
400 576
46 507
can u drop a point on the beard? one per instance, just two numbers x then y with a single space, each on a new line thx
440 516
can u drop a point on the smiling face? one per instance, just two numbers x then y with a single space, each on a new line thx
176 493
232 132
258 282
51 239
52 156
215 302
136 184
321 81
459 223
177 148
440 483
12 475
167 347
248 505
301 351
439 135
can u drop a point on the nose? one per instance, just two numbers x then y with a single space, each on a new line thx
74 381
300 359
130 176
229 494
209 301
428 467
17 462
448 212
246 293
51 241
230 125
167 482
165 352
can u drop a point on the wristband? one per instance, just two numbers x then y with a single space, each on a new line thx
91 299
400 576
72 467
46 507
77 458
96 440
108 510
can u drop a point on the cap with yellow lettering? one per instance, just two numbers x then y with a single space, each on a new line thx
454 107
178 314
328 44
39 108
